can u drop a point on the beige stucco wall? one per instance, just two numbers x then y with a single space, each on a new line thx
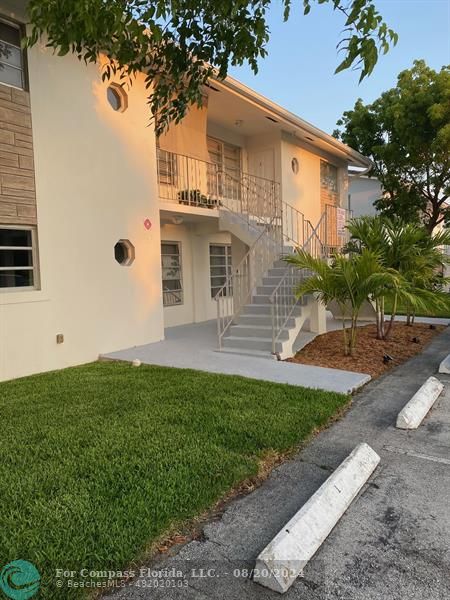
301 190
95 184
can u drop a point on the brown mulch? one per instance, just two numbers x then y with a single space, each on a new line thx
327 350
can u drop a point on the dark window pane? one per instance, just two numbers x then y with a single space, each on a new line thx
170 262
169 249
218 281
16 258
114 98
15 237
10 55
10 34
218 250
217 261
171 284
10 279
171 274
218 271
120 253
11 76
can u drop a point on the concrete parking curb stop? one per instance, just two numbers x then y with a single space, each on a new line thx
444 367
413 413
284 558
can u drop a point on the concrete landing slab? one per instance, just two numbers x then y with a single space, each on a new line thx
194 347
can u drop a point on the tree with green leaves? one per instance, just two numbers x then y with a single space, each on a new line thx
406 132
181 44
384 260
348 280
407 249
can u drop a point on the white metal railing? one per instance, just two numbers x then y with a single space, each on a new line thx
241 284
283 302
194 182
331 229
327 238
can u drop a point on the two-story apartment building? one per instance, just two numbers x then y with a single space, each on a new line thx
109 235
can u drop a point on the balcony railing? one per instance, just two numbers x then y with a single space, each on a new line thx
193 182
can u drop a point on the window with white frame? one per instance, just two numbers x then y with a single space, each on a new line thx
172 280
220 267
18 264
12 70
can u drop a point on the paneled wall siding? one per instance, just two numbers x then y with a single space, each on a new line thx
17 185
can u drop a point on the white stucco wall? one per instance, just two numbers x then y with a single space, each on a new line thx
96 184
363 191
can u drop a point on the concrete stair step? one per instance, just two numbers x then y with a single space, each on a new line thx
250 343
280 264
265 298
256 309
277 272
255 331
268 289
261 321
265 309
253 353
272 280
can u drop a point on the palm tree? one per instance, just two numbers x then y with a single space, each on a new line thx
408 249
350 281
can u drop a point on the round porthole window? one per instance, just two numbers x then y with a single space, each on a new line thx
117 97
124 252
295 166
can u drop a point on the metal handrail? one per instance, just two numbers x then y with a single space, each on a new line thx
241 283
192 181
283 300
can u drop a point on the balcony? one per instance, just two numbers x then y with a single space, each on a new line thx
188 181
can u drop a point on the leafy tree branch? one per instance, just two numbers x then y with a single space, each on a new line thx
181 44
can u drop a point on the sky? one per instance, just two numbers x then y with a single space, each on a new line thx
299 75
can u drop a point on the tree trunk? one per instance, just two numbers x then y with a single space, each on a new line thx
392 319
353 334
378 319
344 331
382 323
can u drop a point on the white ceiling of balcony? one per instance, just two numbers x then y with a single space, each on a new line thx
227 109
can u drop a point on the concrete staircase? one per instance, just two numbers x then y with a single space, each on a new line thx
263 317
251 332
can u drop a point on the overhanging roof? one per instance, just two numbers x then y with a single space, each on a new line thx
295 125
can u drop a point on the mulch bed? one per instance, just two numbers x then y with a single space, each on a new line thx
327 350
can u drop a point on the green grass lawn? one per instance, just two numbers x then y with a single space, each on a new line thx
98 461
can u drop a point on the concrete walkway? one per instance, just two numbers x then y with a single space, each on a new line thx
393 542
194 347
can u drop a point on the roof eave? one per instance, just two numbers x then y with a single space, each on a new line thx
353 157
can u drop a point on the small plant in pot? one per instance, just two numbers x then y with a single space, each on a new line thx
195 198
